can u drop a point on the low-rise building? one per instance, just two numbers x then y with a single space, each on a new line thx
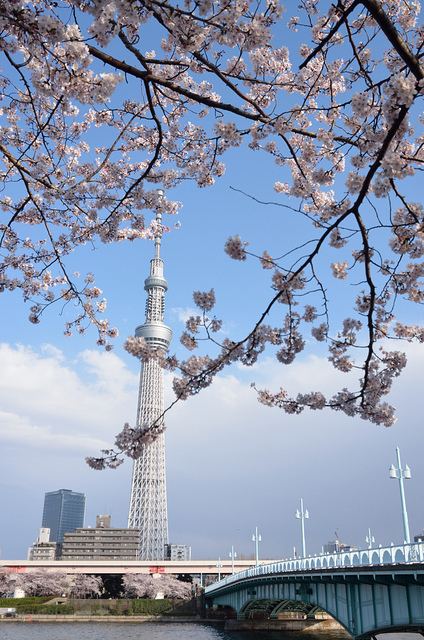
101 542
177 552
336 546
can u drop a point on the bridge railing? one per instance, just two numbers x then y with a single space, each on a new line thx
394 554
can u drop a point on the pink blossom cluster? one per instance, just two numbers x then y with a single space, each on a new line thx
340 270
139 348
236 248
130 442
205 300
141 585
367 404
51 583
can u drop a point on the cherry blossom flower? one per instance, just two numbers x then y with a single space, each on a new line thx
236 248
205 300
340 270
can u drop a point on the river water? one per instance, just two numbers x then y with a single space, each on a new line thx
153 631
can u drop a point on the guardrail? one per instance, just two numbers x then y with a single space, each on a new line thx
394 554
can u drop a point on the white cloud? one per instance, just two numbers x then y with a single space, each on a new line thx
54 352
19 430
49 400
183 313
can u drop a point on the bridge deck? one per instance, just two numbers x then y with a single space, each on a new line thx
381 594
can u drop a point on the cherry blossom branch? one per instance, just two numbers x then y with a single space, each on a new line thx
381 18
84 162
375 9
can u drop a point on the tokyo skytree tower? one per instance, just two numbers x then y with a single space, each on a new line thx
148 503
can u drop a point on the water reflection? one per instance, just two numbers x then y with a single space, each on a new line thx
157 631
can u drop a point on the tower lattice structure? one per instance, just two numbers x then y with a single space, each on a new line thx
148 504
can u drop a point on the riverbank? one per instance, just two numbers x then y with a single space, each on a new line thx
111 618
328 627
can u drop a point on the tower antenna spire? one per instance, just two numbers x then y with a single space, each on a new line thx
158 234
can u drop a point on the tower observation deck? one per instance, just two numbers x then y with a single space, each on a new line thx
148 503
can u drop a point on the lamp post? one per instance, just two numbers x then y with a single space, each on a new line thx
370 539
219 567
256 538
402 474
302 515
232 555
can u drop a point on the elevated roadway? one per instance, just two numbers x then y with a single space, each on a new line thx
116 567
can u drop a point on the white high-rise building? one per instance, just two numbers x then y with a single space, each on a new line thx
178 552
44 535
148 503
43 548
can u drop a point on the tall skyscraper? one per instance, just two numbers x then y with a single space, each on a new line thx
63 512
148 503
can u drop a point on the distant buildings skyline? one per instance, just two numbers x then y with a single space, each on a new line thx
65 508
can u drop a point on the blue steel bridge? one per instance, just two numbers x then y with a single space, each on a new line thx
368 591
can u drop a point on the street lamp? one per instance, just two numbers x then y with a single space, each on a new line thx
402 474
232 555
219 567
370 539
256 538
302 515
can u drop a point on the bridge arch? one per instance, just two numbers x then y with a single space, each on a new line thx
399 555
272 607
293 606
355 559
387 558
258 608
346 560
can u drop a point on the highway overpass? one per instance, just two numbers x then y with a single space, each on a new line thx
119 567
